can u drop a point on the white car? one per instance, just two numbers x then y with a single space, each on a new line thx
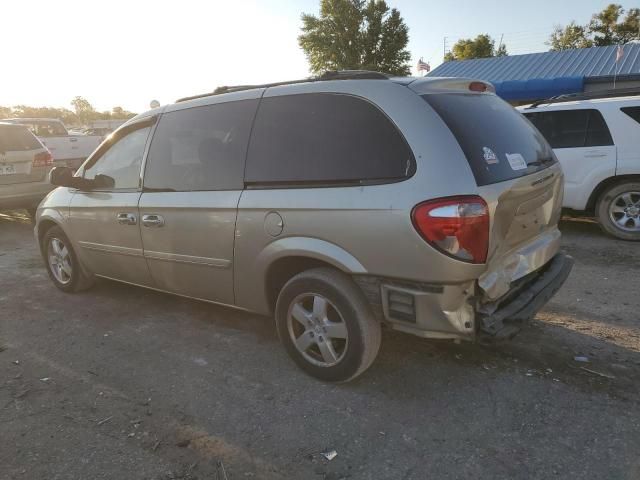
68 149
596 138
24 168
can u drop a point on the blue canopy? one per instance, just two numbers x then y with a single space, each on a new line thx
535 88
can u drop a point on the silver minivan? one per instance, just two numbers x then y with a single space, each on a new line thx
336 204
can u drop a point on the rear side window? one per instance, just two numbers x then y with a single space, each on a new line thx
200 148
499 143
325 139
14 138
633 112
572 128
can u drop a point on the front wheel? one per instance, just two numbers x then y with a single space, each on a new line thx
618 211
62 263
326 325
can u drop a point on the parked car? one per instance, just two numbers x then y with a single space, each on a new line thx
596 138
24 168
336 204
67 149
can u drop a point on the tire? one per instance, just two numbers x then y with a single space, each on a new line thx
70 277
346 313
617 203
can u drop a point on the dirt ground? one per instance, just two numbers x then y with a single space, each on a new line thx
125 383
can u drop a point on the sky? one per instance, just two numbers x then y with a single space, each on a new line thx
127 53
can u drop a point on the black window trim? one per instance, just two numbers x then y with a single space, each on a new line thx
293 184
106 146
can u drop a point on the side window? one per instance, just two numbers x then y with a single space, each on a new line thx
122 160
562 128
200 148
598 134
633 112
56 129
572 128
327 139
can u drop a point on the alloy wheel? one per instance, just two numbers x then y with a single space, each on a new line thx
624 211
59 260
317 329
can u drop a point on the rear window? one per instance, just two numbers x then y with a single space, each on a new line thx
633 112
572 128
17 138
325 139
499 143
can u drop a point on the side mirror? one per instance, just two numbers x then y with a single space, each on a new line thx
61 177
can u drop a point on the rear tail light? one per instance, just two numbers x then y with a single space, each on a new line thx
478 87
43 159
457 226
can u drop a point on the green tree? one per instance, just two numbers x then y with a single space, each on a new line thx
571 36
483 46
84 110
608 27
64 114
121 113
354 34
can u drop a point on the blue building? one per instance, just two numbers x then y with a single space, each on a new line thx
522 79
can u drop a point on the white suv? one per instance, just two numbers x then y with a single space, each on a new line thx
596 138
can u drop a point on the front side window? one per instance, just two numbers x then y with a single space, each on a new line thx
325 139
122 160
572 128
200 148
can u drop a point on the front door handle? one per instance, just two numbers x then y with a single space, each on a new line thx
126 219
595 154
152 220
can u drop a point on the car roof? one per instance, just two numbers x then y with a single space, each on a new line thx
419 84
4 123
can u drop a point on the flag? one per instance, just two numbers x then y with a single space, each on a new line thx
619 53
423 66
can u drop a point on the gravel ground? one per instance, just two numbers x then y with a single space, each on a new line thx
120 382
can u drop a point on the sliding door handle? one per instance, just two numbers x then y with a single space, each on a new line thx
126 219
152 220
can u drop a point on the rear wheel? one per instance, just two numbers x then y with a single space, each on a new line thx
326 325
618 211
62 263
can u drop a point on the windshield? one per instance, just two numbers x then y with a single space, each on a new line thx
499 143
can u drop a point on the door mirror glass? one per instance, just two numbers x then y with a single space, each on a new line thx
103 182
61 177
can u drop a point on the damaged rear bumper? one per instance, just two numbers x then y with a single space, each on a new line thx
503 318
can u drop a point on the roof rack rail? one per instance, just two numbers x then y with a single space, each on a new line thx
570 97
328 75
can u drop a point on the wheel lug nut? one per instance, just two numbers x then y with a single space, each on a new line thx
321 339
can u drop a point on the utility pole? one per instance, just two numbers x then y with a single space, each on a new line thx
444 48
